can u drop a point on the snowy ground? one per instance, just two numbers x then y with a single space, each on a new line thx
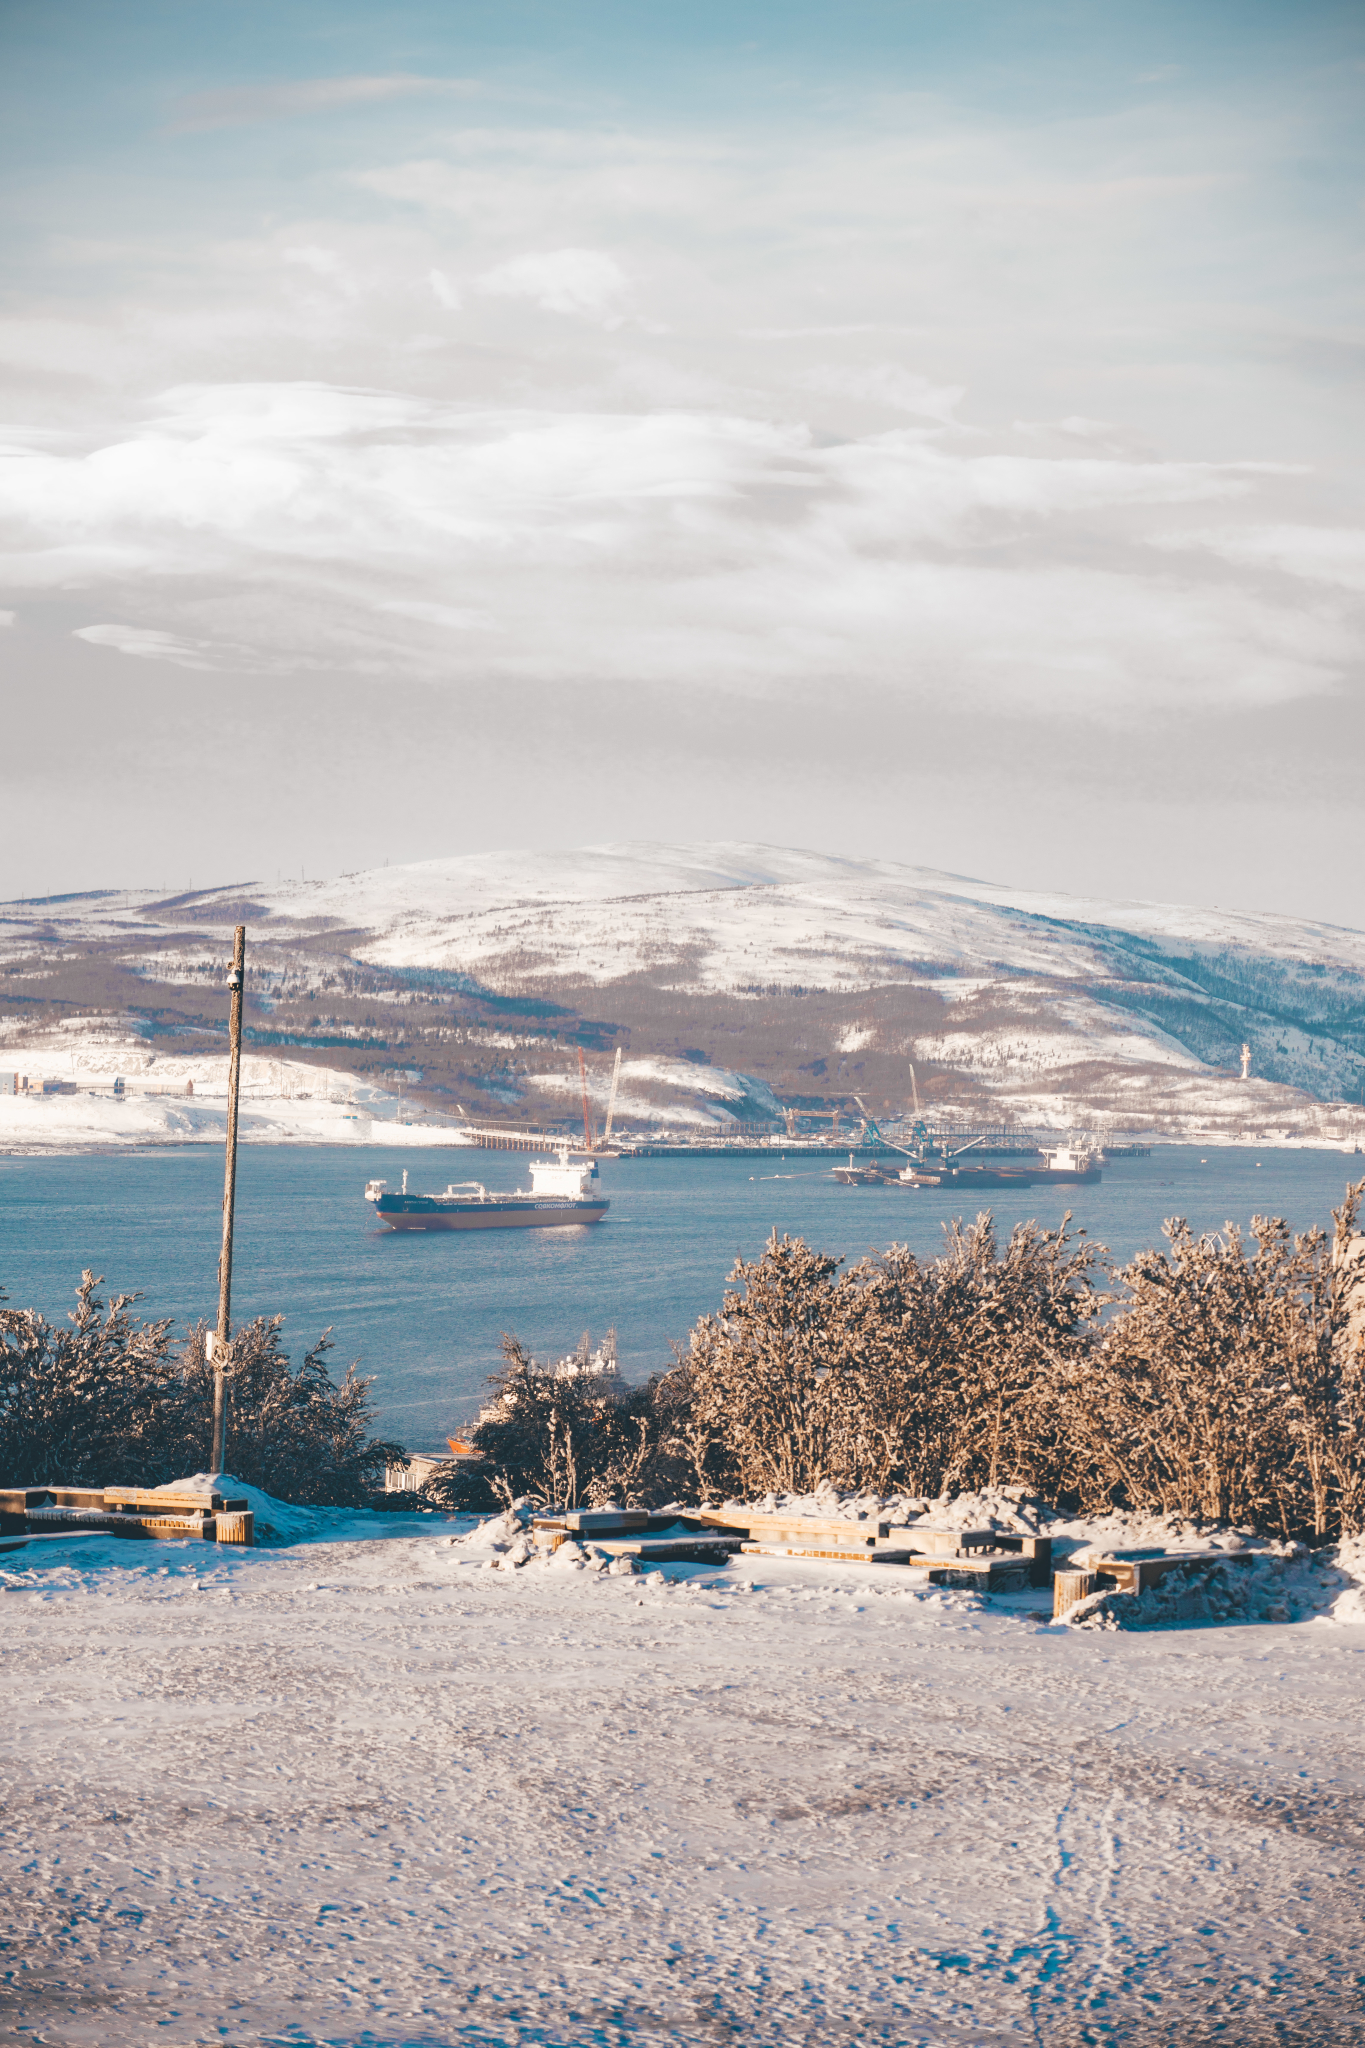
379 1786
282 1101
292 1102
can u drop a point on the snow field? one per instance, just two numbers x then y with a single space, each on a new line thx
786 900
282 1101
390 1789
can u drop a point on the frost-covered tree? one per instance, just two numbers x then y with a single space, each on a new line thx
115 1400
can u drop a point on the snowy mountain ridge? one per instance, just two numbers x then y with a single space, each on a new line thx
734 917
777 969
878 908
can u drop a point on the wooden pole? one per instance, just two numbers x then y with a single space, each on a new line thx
221 1343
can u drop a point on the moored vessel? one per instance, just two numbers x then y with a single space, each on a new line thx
860 1175
560 1194
1067 1164
943 1174
935 1167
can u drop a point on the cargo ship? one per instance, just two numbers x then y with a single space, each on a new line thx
861 1175
559 1195
933 1171
932 1165
935 1167
1064 1166
943 1174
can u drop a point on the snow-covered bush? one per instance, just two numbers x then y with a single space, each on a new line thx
920 1375
1230 1383
113 1400
293 1431
1219 1379
100 1401
568 1439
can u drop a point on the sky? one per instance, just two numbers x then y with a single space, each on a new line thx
912 429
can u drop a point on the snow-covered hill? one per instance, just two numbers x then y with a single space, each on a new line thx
741 911
1062 1008
733 917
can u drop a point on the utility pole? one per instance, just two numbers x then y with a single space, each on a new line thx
221 1345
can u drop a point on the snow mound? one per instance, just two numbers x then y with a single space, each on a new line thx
499 1540
1282 1583
1011 1509
1256 1578
284 1521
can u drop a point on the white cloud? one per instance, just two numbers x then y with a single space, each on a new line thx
644 455
8 618
324 263
889 384
1316 554
585 282
149 643
237 106
467 619
697 550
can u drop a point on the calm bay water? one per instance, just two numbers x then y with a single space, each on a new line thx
424 1313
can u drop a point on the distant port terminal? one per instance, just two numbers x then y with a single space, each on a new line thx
866 1140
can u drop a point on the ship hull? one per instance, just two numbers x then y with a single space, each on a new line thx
429 1212
971 1177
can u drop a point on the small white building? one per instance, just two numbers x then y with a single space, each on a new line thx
412 1477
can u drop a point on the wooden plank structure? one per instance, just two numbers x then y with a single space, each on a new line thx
989 1560
131 1511
992 1560
1133 1571
650 1539
1069 1589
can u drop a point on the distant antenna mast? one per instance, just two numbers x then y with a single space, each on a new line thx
587 1115
1246 1062
611 1099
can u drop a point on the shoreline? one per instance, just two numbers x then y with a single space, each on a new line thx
438 1142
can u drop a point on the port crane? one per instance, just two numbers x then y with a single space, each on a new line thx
611 1099
833 1114
870 1130
919 1131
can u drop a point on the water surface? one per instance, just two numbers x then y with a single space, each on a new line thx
424 1313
